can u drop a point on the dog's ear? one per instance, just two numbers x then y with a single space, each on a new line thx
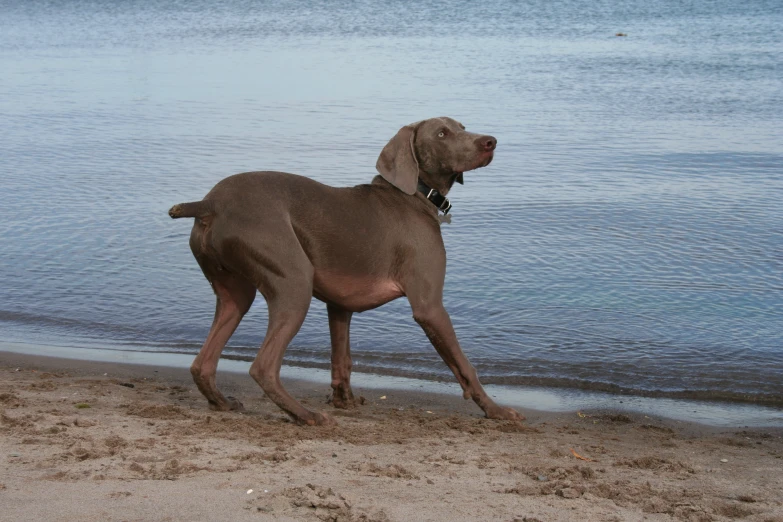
397 162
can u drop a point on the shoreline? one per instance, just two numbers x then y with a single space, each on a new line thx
119 441
765 395
713 413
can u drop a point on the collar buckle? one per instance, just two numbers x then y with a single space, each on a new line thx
445 206
440 201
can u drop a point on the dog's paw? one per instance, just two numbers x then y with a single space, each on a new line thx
230 404
318 419
343 401
501 413
234 404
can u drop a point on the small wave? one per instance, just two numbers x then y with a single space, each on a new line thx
768 399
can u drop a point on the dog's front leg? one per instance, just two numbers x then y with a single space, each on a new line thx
339 327
436 323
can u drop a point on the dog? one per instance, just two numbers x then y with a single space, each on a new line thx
353 248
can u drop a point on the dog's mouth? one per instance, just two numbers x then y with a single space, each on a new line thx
484 159
489 155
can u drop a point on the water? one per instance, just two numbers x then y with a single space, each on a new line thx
626 238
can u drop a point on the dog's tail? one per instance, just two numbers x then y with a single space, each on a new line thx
195 209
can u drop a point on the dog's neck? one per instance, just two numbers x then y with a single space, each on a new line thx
436 198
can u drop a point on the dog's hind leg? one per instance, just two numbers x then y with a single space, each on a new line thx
288 295
339 325
234 297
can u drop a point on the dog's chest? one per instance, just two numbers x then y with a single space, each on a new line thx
355 292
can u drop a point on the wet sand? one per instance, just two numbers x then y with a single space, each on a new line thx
106 441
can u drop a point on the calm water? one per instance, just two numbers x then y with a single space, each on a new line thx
627 236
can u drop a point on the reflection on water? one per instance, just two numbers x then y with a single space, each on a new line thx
627 236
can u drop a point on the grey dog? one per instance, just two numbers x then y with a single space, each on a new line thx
354 248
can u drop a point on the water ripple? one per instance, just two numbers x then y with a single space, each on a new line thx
627 236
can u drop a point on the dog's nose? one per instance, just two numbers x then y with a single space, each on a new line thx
488 143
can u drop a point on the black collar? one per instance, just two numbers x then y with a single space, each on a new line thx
435 197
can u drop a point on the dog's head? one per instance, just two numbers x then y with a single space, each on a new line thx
437 150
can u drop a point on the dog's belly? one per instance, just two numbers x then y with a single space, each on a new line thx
354 293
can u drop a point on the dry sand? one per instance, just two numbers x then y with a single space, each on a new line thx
102 441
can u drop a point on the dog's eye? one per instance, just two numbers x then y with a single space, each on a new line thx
441 134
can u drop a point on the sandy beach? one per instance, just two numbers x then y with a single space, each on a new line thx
102 441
